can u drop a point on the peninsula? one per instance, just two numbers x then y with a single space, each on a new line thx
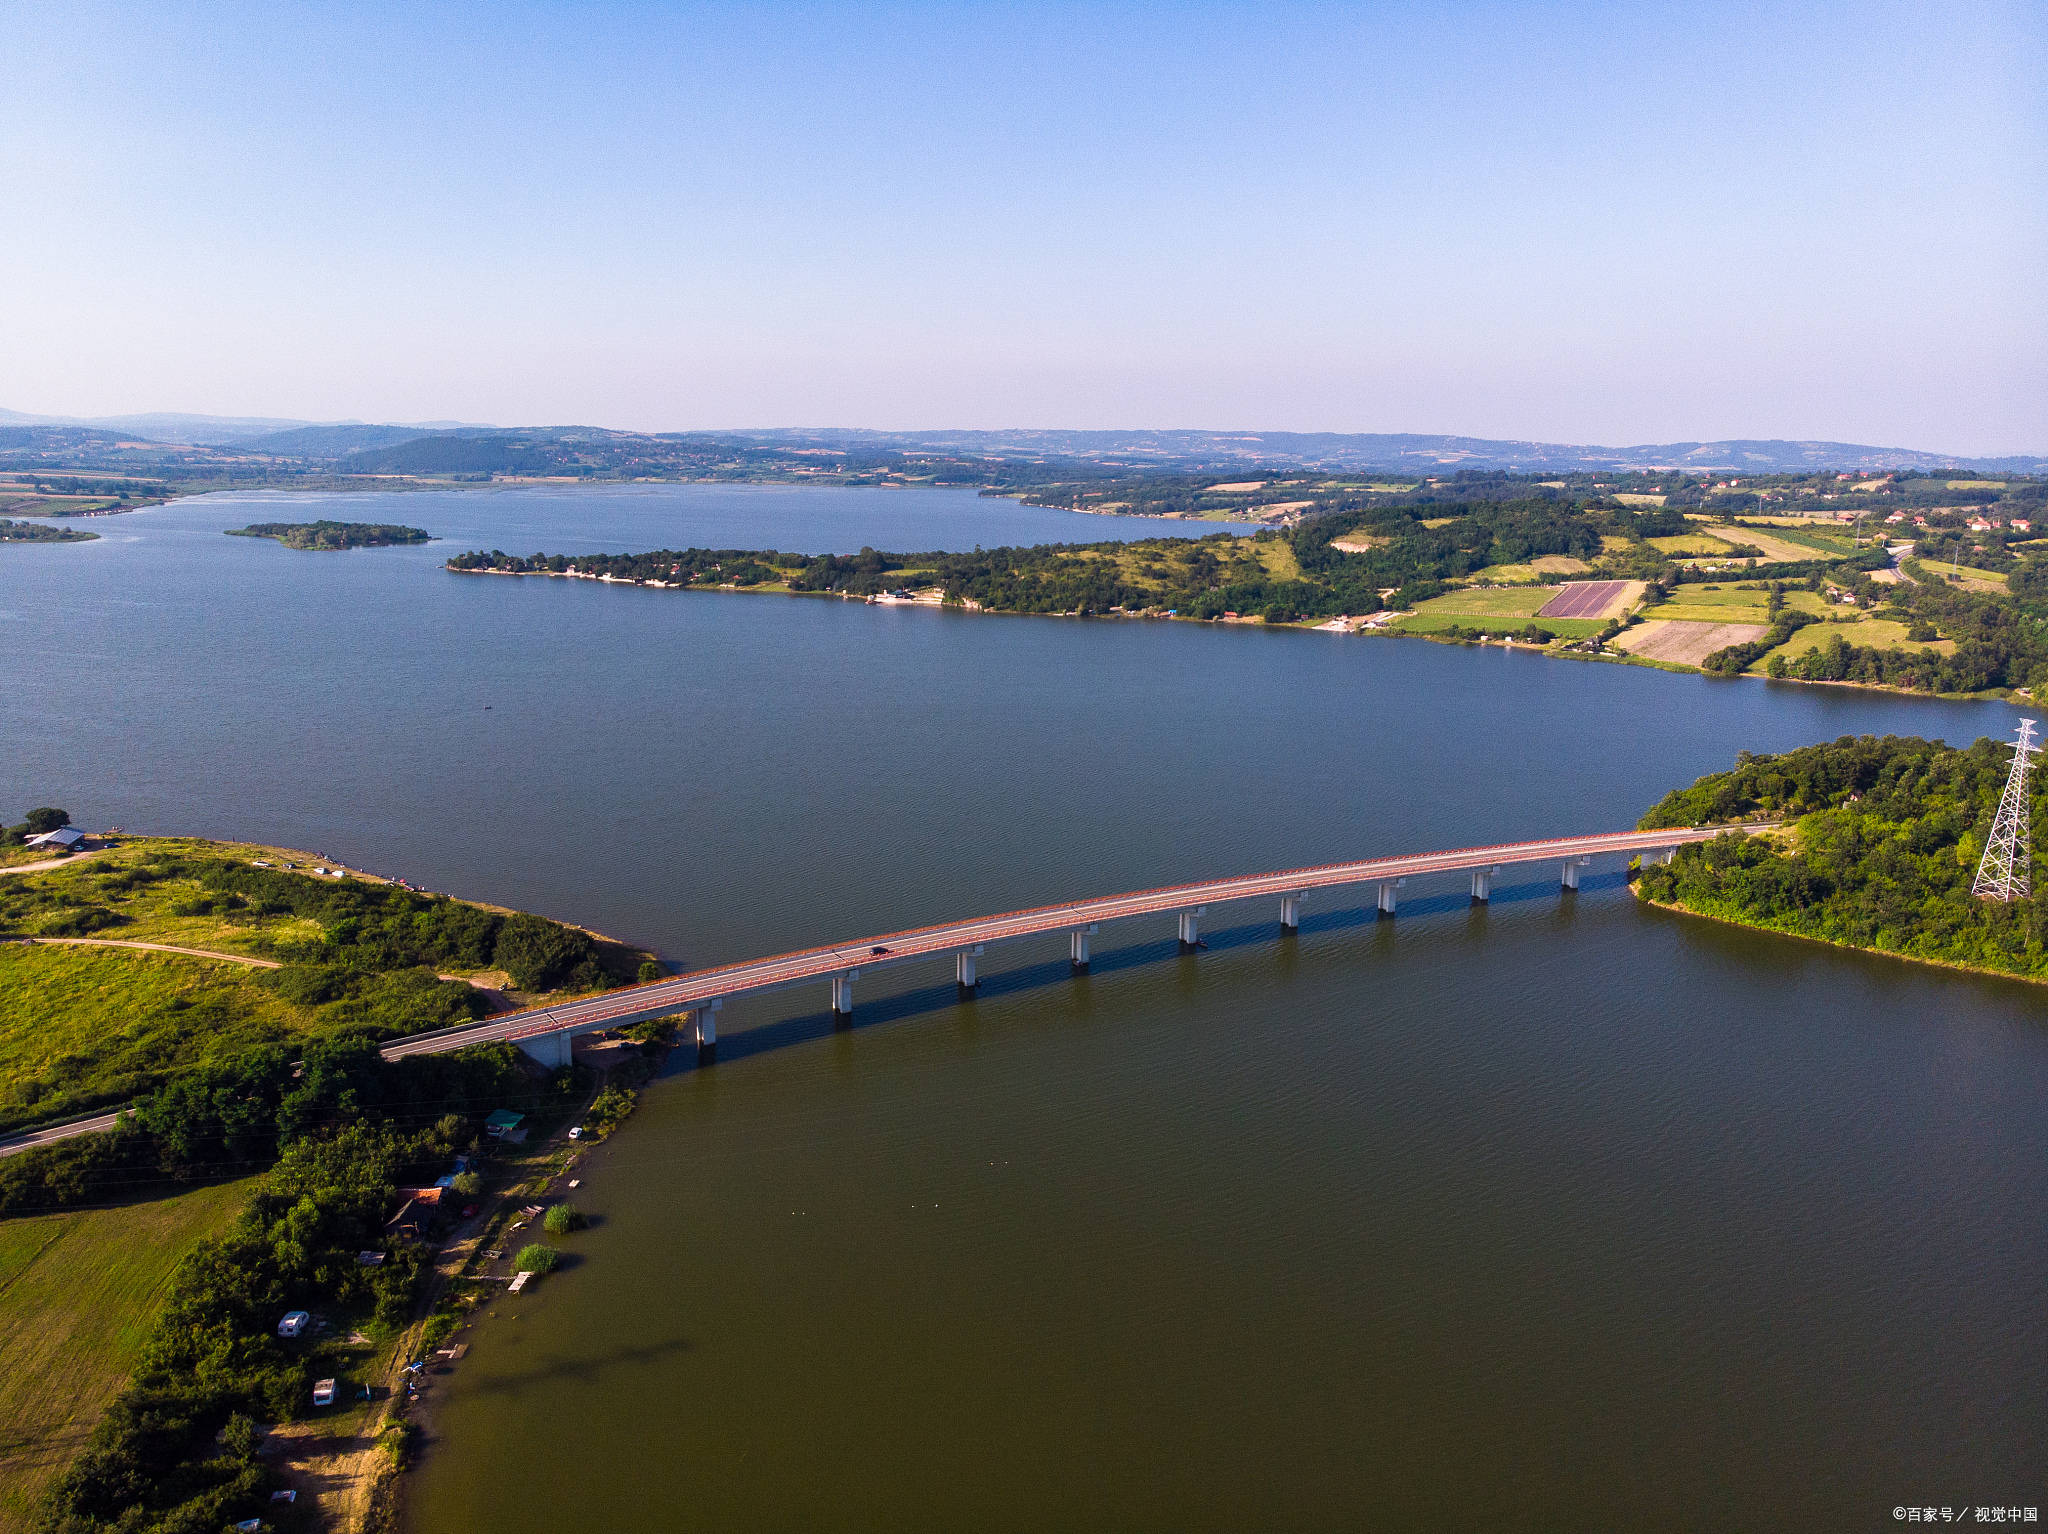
1949 600
41 532
1882 839
237 999
333 535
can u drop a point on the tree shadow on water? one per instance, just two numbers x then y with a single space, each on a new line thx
583 1368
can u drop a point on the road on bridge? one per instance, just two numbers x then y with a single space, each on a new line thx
690 991
682 993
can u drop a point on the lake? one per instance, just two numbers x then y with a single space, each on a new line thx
1554 1213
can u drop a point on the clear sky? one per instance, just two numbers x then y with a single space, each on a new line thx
1585 222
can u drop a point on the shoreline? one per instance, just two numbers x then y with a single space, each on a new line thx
350 1472
1304 626
1679 908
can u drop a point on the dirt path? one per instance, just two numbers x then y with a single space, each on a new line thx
66 862
190 953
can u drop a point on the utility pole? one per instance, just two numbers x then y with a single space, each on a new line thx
2006 870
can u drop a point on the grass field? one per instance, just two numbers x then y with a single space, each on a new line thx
1490 602
1436 623
1535 570
1782 545
1871 633
1689 543
1639 498
1495 607
73 1017
1729 604
77 1292
1972 580
1807 540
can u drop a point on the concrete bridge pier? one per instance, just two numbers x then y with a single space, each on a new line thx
1290 913
1387 895
1482 884
1077 945
705 1030
1570 877
1191 929
963 970
553 1050
842 998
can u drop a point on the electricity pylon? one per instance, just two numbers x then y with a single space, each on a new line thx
2005 873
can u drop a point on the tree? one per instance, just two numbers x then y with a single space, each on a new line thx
47 819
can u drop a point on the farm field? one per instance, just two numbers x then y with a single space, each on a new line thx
1684 642
1489 602
1535 569
1871 633
77 1292
1727 604
1501 607
1592 599
1782 545
1690 543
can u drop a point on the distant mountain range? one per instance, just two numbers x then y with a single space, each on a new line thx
213 430
448 447
1408 451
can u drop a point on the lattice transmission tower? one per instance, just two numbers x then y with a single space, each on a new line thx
2006 870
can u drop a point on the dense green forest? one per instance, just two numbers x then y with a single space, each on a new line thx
40 532
1885 838
333 535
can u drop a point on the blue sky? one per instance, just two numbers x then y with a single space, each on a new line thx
1573 221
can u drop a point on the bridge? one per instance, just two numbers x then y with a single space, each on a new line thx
548 1033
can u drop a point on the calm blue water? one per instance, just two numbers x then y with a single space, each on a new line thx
1556 1214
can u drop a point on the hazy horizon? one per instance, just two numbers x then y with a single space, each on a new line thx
830 428
1565 223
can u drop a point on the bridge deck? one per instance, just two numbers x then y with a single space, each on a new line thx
681 993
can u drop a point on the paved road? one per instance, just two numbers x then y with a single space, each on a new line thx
51 1133
680 993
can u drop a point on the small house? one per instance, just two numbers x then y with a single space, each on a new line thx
65 839
502 1123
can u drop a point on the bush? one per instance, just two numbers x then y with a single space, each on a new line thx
539 955
649 971
536 1258
607 1112
562 1219
468 1184
47 819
